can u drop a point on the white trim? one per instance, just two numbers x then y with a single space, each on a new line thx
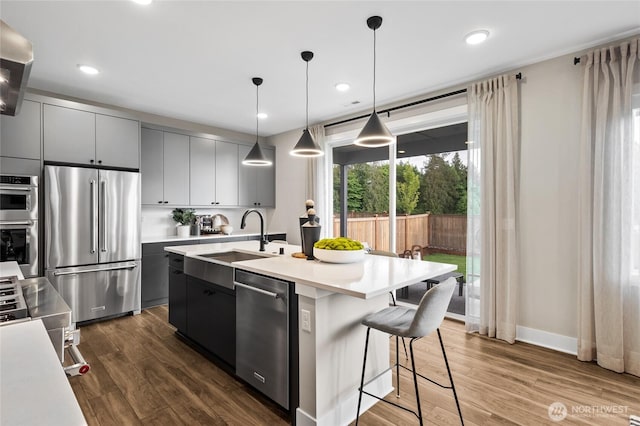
554 341
344 412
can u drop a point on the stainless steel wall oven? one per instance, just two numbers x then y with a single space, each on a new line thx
19 222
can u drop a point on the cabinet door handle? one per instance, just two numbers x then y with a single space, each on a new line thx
159 202
213 202
99 161
176 272
166 202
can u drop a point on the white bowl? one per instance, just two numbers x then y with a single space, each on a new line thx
338 256
226 229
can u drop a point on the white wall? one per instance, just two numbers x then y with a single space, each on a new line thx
551 95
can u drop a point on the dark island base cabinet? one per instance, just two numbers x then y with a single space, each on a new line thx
177 293
211 318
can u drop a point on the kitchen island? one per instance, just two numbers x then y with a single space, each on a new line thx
332 299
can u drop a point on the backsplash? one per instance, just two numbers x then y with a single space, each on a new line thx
157 221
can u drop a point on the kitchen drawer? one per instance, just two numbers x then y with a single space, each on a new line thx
176 261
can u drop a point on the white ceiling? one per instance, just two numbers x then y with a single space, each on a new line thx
194 60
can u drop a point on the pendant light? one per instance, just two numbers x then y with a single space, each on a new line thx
256 157
374 133
306 146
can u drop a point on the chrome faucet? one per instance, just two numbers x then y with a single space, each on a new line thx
263 236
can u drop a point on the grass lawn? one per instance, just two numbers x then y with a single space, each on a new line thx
461 261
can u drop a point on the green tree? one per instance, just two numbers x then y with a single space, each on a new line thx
407 188
438 186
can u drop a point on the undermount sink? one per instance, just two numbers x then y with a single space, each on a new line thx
232 256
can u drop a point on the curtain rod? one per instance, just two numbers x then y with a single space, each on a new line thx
410 104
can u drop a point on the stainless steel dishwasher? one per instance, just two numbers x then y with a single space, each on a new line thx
262 334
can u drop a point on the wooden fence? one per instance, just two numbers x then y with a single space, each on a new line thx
446 233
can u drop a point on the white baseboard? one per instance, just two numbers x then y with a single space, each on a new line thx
546 339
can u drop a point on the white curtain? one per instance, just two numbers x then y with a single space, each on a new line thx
493 176
608 276
315 181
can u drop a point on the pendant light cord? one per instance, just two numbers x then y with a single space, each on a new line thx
257 119
374 70
307 117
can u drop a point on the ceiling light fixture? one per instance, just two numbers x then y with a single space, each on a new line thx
476 37
262 115
142 2
374 133
342 87
256 157
88 69
306 146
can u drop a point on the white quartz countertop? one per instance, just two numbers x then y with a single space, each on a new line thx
373 276
34 389
221 237
10 269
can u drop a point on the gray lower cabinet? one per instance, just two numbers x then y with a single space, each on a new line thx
155 280
20 135
211 318
164 168
83 137
256 185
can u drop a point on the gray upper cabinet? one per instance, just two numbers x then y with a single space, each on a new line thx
117 142
203 171
226 173
83 137
152 166
256 186
69 135
165 168
20 135
176 169
214 173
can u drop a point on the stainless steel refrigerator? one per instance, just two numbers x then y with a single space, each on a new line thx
92 239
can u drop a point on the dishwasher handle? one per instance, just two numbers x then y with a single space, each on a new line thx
258 290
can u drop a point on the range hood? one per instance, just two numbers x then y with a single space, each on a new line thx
16 57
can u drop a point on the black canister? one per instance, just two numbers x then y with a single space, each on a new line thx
310 235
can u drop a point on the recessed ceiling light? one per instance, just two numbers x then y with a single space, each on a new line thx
143 2
87 69
342 87
262 115
476 37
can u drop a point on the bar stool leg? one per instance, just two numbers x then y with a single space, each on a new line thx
415 380
453 388
364 364
398 368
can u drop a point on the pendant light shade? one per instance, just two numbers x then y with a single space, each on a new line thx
374 133
306 146
256 157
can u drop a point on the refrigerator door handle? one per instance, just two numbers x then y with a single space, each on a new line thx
103 211
92 213
85 271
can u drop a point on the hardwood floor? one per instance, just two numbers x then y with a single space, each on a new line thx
141 373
